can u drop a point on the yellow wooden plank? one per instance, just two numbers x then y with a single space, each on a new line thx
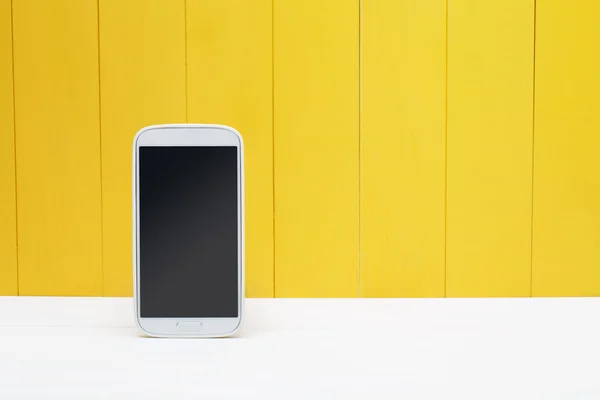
489 147
8 222
316 105
142 82
58 147
403 138
566 208
229 58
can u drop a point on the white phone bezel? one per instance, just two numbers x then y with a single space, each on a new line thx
189 135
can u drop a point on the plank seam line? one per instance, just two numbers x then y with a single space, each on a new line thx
12 42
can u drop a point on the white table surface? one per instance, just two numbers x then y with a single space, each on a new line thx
88 348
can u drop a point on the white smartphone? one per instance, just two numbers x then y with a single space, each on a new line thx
188 230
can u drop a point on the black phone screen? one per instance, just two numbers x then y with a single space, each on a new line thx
188 235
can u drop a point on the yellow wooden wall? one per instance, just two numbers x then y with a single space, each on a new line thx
316 147
566 190
402 154
489 147
395 148
57 147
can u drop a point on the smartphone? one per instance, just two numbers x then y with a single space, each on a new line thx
188 230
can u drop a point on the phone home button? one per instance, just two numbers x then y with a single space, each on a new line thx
188 326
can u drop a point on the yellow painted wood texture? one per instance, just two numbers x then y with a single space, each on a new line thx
566 201
403 139
316 120
229 81
489 148
142 82
57 147
393 148
8 213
